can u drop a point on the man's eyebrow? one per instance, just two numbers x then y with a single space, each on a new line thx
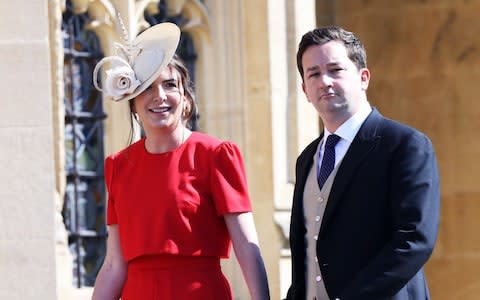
334 63
330 64
313 68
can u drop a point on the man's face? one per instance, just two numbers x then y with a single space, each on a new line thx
332 82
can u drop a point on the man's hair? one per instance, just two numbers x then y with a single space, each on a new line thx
355 49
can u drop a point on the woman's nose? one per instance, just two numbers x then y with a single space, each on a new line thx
160 94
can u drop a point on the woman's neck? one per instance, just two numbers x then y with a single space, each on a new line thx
161 141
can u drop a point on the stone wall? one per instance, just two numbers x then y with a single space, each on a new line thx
27 257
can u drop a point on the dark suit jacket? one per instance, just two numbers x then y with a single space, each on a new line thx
381 219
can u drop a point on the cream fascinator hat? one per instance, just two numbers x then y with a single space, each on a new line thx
137 64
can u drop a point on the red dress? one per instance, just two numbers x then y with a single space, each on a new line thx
169 209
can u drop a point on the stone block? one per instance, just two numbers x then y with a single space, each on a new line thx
454 278
27 256
25 83
458 226
25 20
27 266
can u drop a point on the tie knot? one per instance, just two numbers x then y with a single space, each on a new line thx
332 140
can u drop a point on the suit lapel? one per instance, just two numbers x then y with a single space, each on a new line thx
307 163
363 143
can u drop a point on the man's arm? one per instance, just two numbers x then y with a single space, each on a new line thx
415 203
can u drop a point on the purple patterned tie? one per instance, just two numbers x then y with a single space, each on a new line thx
328 160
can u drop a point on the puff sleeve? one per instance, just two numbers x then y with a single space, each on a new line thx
228 180
111 214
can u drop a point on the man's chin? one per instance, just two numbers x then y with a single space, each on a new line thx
335 106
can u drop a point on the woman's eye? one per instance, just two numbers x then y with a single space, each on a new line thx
170 84
170 87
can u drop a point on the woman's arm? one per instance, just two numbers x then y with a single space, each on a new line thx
110 279
241 228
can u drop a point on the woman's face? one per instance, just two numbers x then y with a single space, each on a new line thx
161 105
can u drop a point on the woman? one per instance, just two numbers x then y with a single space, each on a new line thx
177 199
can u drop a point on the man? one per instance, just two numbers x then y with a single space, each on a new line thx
366 201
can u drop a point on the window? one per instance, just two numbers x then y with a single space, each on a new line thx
84 203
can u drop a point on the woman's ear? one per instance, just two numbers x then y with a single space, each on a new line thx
186 110
187 105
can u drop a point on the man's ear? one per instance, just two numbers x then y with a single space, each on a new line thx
365 78
305 91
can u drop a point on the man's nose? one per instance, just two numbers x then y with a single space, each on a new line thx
326 80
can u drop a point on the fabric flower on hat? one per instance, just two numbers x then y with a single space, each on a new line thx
136 63
120 80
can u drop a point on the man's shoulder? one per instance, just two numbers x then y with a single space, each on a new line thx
395 127
394 131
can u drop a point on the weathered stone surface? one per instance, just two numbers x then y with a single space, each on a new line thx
424 57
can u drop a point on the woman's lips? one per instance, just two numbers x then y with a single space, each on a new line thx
159 109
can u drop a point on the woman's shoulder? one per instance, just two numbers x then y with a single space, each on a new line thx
206 140
128 152
211 143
